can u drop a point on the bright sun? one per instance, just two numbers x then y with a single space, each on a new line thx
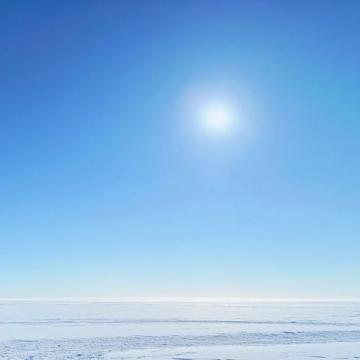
217 119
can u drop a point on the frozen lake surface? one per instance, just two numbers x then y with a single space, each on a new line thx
179 331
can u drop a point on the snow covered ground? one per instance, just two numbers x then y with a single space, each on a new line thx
188 330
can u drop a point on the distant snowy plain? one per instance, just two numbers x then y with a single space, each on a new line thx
31 330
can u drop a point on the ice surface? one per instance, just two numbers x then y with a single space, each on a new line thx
191 330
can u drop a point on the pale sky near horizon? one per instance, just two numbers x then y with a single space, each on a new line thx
180 148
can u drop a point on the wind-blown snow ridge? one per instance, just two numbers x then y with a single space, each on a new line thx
100 321
99 347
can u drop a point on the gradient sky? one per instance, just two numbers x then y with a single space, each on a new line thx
106 191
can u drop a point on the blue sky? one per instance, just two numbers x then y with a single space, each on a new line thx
105 190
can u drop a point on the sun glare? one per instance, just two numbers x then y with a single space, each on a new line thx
217 119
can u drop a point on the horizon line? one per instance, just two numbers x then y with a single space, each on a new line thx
172 299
